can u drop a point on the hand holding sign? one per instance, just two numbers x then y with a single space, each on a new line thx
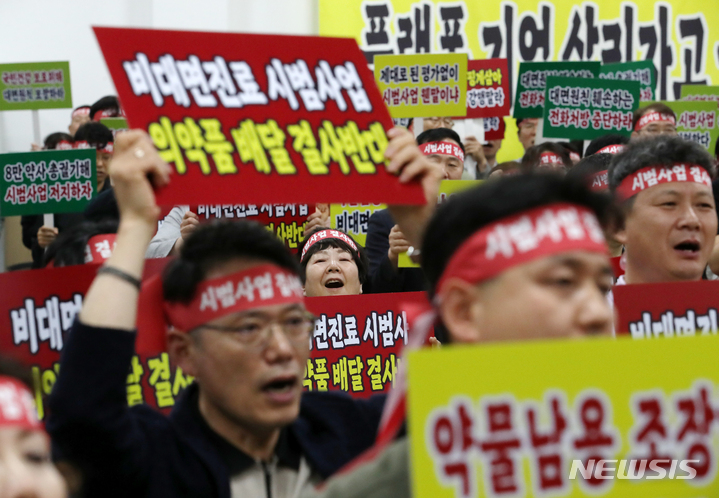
46 236
398 243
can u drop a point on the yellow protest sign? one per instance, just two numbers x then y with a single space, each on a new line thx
565 419
415 86
446 189
353 219
681 38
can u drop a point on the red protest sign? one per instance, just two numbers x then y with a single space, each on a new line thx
494 128
287 221
667 309
36 316
357 341
262 118
487 88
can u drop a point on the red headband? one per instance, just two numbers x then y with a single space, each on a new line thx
83 144
611 149
548 158
327 234
600 181
653 116
64 145
523 237
575 157
263 285
17 407
100 247
654 175
107 113
442 148
82 111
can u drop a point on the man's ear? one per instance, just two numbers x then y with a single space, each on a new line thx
182 349
634 135
461 310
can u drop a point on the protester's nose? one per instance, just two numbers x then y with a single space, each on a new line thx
21 483
279 347
689 217
594 316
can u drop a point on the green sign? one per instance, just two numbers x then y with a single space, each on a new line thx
35 85
422 85
115 124
642 71
52 181
584 109
700 92
696 121
532 80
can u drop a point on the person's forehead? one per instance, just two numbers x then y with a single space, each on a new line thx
332 248
267 311
692 189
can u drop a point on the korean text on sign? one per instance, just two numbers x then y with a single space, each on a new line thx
311 115
423 85
46 181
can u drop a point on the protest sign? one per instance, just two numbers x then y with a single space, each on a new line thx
700 93
353 219
696 121
287 221
578 108
447 189
487 88
357 341
35 85
667 309
422 85
310 121
532 82
642 71
494 128
53 181
565 418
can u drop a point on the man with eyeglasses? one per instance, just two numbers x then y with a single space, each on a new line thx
238 325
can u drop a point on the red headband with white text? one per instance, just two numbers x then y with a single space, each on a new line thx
17 407
521 238
653 116
654 175
83 144
547 159
443 149
324 235
263 285
611 149
81 111
600 181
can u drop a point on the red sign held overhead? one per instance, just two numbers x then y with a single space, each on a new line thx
256 118
487 88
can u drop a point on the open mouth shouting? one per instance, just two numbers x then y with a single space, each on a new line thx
688 249
282 388
334 283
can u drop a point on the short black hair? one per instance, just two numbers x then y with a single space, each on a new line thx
663 151
10 367
360 256
96 134
590 165
531 157
572 146
69 247
53 139
216 243
437 135
605 140
108 103
466 212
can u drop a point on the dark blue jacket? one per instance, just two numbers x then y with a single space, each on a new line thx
139 452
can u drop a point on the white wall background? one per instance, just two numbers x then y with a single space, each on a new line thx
52 30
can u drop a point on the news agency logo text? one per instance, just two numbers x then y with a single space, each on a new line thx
633 469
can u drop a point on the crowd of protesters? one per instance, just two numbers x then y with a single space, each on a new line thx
245 427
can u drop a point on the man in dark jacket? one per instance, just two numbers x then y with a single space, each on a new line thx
239 326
